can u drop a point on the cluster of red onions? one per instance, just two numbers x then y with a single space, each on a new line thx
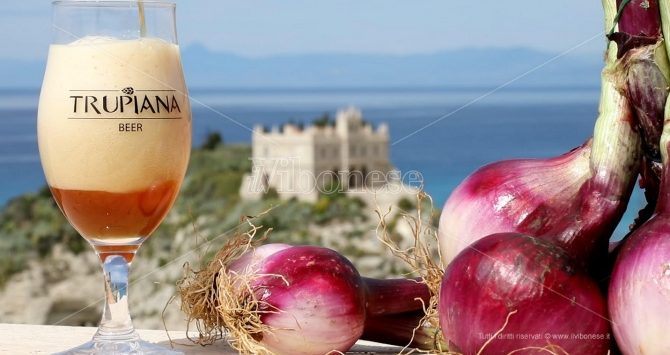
526 241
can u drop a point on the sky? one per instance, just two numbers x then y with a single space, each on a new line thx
273 27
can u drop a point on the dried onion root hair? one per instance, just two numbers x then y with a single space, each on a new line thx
222 303
421 258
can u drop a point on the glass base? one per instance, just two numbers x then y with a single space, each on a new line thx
136 347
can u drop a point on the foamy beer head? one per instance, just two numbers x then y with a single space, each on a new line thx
114 117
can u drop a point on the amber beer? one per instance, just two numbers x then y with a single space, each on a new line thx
106 215
114 139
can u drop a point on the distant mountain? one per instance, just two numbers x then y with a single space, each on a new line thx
465 67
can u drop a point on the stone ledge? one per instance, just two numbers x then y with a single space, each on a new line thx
19 339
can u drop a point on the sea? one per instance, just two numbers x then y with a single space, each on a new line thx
443 133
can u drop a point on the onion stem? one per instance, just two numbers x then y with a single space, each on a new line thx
639 18
646 69
615 154
392 296
405 329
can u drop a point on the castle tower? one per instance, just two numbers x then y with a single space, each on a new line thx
303 162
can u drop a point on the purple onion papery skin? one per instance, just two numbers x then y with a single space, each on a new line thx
321 297
529 196
555 302
639 292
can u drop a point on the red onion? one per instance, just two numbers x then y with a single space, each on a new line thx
583 192
532 284
304 300
526 196
639 290
314 299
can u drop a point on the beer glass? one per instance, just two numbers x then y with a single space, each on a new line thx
114 133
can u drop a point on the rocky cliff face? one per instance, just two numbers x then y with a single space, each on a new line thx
66 288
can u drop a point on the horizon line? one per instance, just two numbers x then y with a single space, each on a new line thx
353 88
210 50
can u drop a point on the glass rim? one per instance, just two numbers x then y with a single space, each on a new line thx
114 3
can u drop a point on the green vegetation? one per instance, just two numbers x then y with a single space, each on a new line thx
30 225
323 120
213 140
214 177
271 194
208 205
333 204
406 204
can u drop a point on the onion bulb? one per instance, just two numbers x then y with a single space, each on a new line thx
302 300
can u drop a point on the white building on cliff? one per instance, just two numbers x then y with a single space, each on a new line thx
302 162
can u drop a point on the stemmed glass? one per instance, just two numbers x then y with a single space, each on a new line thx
114 132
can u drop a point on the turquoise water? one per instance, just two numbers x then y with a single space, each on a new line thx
444 133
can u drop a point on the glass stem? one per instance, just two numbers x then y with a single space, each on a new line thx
116 324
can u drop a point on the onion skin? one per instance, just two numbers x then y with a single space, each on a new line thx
508 272
526 196
639 291
314 284
391 296
249 261
647 89
575 200
315 302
